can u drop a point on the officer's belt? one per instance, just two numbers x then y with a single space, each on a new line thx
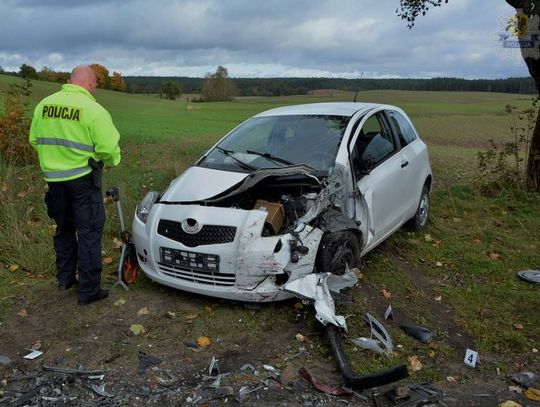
66 173
51 141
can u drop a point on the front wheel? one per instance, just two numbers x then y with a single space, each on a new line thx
420 218
338 251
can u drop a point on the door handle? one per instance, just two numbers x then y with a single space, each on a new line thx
404 164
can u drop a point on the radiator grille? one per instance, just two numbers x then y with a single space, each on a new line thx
209 234
199 276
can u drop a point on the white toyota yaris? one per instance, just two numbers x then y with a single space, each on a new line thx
291 191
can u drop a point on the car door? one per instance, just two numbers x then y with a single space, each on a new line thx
377 164
412 163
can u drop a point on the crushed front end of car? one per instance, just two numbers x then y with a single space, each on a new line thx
243 243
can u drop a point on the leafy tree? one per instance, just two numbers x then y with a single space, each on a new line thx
171 90
527 25
117 82
102 74
1 70
28 71
47 74
218 86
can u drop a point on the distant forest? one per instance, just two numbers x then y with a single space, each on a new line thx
302 86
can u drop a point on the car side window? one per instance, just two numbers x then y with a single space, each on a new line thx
405 131
374 143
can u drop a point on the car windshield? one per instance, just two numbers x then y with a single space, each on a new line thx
280 141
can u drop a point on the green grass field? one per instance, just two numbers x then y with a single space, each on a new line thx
469 254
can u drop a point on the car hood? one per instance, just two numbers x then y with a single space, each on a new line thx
200 184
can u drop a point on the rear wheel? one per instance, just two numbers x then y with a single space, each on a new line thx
420 218
337 251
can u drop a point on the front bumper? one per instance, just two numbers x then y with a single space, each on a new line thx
251 268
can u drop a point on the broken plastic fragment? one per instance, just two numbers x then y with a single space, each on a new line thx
532 276
100 390
369 344
318 288
213 367
248 366
420 333
325 388
271 369
524 379
245 390
378 330
33 354
146 361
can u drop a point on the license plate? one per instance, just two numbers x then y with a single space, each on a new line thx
189 260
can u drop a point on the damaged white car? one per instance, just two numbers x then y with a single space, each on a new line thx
289 192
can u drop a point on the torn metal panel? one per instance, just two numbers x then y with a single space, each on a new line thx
369 344
314 287
379 331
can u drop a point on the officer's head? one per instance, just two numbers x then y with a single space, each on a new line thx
85 77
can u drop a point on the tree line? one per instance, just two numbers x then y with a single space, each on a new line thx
302 86
219 86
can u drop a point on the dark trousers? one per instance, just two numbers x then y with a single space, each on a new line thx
77 208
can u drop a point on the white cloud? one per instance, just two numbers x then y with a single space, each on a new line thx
257 38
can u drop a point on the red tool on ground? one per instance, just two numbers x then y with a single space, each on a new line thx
128 266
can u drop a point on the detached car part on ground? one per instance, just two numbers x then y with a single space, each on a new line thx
291 191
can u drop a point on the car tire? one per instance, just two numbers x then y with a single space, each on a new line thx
420 218
336 251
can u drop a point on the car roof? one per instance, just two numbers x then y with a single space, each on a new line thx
329 109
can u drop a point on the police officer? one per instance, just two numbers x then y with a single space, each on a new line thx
74 136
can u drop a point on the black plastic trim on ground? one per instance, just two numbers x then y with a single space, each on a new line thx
361 382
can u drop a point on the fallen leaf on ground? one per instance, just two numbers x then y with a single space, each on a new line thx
494 256
534 350
116 243
450 379
119 302
203 341
190 318
518 327
137 329
170 314
509 403
386 294
14 267
23 313
438 298
428 238
143 311
533 394
301 338
431 354
107 260
414 363
438 264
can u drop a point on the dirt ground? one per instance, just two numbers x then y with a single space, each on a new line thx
243 339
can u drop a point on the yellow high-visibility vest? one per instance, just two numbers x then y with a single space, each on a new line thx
68 128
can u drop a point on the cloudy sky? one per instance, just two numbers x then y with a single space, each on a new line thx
258 38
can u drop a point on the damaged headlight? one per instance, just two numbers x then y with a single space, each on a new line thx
143 209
